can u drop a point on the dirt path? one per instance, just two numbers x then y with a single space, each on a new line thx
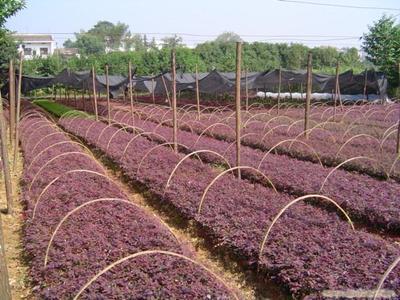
12 228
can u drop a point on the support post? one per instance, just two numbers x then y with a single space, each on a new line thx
94 93
398 137
174 113
11 95
18 113
279 87
238 106
130 88
152 90
4 158
247 92
336 90
5 290
308 95
108 96
166 90
366 81
197 92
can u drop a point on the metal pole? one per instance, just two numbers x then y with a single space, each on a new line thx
4 158
94 93
197 92
174 115
108 96
279 87
238 120
308 96
130 87
11 95
18 112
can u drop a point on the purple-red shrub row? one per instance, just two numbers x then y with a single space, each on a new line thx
309 249
97 234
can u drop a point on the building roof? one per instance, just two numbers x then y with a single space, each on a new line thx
33 37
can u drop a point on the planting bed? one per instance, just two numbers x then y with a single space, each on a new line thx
69 197
308 250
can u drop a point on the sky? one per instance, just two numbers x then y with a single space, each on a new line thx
197 21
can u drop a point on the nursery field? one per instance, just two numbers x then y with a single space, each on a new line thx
315 215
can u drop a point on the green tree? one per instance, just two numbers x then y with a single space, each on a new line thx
9 8
172 42
382 45
228 37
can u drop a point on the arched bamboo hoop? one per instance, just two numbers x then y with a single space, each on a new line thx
139 135
290 204
164 115
353 109
325 111
298 122
255 116
341 164
147 252
63 133
292 141
385 275
348 129
279 117
189 155
116 132
211 126
393 165
310 130
271 130
230 170
255 104
103 130
26 125
28 138
92 202
170 144
357 136
390 112
386 137
67 173
57 157
32 127
57 144
90 127
389 129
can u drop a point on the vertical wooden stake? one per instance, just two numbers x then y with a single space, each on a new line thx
11 94
18 113
174 113
152 90
130 88
336 90
94 93
398 137
279 87
308 96
366 81
166 90
247 91
75 99
4 158
108 96
5 290
197 92
238 104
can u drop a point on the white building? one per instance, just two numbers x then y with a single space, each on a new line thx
35 45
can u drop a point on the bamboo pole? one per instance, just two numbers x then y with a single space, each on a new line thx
308 95
152 90
365 82
247 91
130 87
279 87
336 89
75 99
11 92
4 158
5 290
166 90
197 92
174 113
108 96
238 104
398 136
96 113
18 112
